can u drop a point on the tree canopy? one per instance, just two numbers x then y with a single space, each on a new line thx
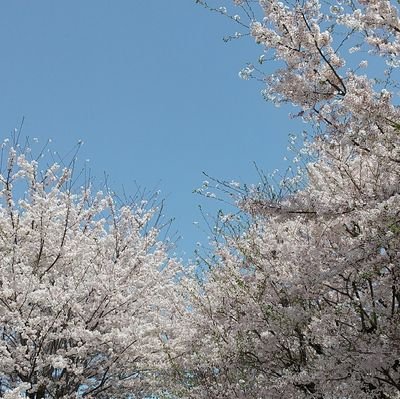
84 287
305 302
301 302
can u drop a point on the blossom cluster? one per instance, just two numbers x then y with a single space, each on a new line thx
83 288
305 301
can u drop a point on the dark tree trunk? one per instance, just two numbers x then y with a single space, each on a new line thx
39 394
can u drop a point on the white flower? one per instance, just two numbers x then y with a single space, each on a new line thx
363 64
246 72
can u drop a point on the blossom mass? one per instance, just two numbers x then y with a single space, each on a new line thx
305 301
82 287
300 297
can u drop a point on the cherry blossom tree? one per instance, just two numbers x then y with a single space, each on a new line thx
83 287
305 302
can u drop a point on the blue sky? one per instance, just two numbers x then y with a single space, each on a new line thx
151 89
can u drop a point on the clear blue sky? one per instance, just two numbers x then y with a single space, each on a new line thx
149 86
